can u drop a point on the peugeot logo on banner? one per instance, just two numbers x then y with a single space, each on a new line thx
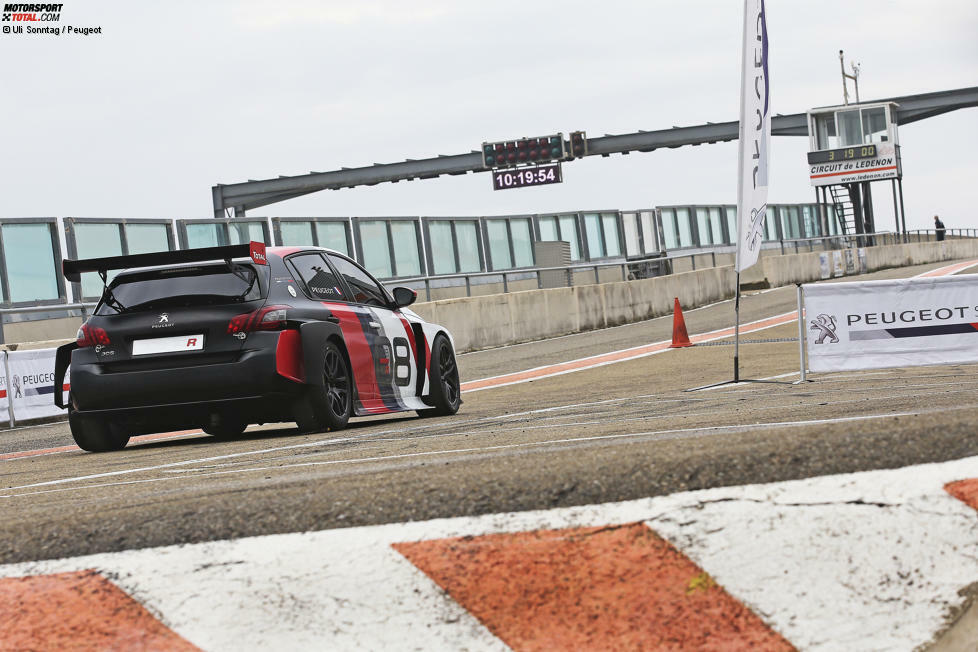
826 326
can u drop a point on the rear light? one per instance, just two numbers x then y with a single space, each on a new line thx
269 318
90 336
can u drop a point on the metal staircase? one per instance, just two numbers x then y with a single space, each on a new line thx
845 212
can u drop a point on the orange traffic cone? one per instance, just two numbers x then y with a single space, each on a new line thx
680 337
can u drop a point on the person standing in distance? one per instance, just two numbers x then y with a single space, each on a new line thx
939 227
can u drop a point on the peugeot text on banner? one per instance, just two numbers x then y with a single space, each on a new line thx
31 389
755 134
901 323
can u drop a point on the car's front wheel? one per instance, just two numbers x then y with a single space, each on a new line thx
446 394
333 402
96 434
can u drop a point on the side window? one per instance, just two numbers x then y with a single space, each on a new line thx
364 288
318 277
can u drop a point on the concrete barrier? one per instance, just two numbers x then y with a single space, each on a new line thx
485 322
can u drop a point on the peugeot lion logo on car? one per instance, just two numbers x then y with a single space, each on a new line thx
164 318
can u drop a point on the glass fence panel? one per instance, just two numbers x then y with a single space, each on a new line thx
144 238
810 218
29 253
296 233
716 227
97 241
568 233
205 235
649 231
376 248
592 230
467 236
522 234
612 244
332 235
548 229
407 257
771 224
732 223
245 232
499 244
703 226
441 247
630 223
669 228
685 230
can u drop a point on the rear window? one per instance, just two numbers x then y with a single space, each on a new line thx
182 286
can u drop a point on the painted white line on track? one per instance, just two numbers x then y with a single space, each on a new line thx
668 434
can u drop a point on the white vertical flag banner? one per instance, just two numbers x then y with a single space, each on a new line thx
755 134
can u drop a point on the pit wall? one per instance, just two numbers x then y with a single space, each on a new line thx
499 319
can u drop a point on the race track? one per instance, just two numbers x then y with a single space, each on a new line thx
619 431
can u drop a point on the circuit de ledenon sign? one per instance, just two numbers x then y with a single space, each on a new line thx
886 165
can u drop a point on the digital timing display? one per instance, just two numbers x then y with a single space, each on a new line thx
529 176
844 154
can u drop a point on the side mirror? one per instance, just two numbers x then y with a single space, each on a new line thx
404 297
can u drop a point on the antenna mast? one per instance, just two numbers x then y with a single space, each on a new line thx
854 77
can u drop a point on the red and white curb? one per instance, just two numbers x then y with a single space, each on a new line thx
871 560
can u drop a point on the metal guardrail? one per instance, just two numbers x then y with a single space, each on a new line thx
786 246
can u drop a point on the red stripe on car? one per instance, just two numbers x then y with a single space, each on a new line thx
361 358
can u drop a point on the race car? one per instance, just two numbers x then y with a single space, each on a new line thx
218 338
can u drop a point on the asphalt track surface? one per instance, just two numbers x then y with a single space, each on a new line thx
615 432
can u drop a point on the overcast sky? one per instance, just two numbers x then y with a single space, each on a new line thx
173 97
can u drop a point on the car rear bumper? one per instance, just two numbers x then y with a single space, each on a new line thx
176 382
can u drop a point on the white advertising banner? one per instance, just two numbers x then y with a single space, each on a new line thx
4 413
899 323
31 389
754 135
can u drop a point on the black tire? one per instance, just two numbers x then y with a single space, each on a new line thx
225 428
446 391
332 403
94 434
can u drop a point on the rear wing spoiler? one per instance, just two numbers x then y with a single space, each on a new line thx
73 269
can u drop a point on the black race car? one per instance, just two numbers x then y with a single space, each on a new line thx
222 337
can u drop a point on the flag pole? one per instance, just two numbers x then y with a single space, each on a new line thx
752 161
736 375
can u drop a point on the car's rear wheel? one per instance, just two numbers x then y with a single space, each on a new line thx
446 394
333 402
96 434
